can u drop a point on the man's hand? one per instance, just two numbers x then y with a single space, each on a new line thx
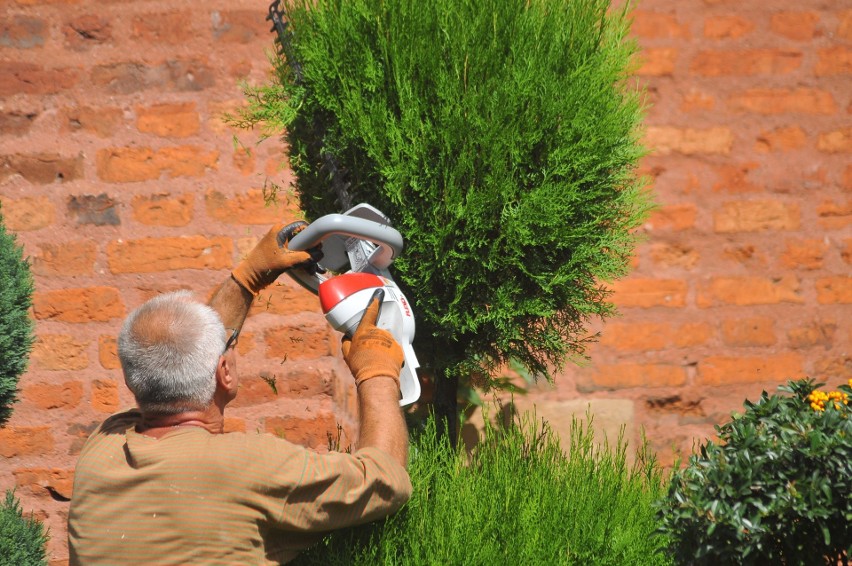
268 260
372 352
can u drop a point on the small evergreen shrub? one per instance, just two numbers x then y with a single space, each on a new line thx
22 540
16 327
775 489
518 499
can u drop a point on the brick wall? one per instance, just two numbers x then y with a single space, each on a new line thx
121 181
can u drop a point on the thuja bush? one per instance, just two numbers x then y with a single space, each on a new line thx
16 327
518 499
22 539
775 489
500 136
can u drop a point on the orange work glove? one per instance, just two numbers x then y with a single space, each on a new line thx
271 257
372 352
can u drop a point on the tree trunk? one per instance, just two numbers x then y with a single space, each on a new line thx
445 402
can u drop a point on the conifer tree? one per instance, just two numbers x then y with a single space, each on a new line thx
501 137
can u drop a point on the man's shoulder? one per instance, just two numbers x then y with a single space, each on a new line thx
120 422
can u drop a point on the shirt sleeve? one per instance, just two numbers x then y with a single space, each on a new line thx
339 490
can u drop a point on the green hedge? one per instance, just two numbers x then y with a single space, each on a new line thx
22 540
518 499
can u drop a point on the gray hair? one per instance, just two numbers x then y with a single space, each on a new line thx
169 349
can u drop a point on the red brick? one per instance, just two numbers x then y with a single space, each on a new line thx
237 26
249 208
22 32
44 482
674 255
90 304
16 123
244 160
664 140
847 179
748 291
310 430
131 164
108 352
87 31
746 62
645 293
833 215
28 78
785 138
834 367
746 255
304 342
756 216
25 441
784 101
104 396
734 178
56 352
693 334
725 370
697 101
285 298
149 255
727 27
800 26
26 213
170 28
173 75
624 376
51 395
754 331
837 141
98 210
70 258
804 254
234 424
163 209
41 168
168 120
833 290
846 254
658 62
833 61
255 390
812 334
102 121
674 217
844 29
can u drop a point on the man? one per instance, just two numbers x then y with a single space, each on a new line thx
162 484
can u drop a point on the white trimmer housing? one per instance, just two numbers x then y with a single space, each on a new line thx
362 240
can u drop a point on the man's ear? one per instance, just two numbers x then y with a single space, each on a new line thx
225 379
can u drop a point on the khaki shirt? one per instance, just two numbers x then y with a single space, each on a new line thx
192 497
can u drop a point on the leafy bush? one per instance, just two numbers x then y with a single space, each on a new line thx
518 499
500 136
775 489
16 327
22 541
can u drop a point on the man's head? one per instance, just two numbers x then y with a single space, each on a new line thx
170 349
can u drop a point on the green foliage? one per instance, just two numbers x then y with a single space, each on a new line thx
500 136
16 327
22 541
775 489
518 499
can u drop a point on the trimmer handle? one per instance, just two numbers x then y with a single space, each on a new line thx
352 226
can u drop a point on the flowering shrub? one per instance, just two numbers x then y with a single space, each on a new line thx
775 489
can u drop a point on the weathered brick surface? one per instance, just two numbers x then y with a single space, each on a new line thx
122 181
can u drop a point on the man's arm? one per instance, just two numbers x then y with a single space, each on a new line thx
375 359
260 268
382 423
